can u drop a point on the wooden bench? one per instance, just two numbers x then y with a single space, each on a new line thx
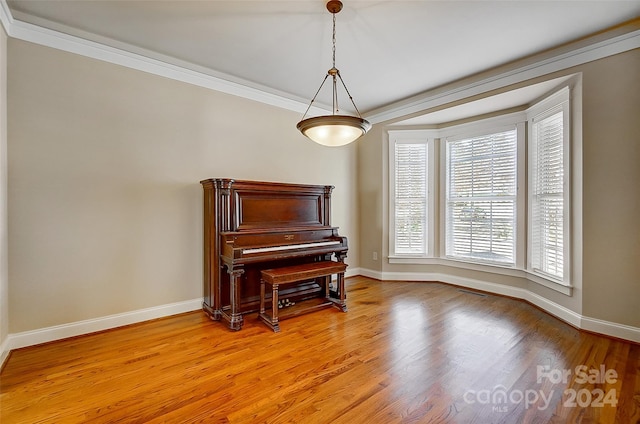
277 277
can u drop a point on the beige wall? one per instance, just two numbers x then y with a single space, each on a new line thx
611 199
372 179
4 277
105 205
611 120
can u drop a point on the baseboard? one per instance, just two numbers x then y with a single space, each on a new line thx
44 335
612 329
594 325
4 352
352 272
376 275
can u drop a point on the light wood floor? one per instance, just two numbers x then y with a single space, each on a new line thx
404 353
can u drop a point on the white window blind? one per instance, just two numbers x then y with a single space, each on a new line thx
547 195
411 198
481 198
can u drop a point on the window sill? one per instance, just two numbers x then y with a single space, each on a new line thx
492 269
550 284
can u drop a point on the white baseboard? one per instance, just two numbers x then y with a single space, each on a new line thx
44 335
377 275
620 331
352 272
558 311
4 351
607 328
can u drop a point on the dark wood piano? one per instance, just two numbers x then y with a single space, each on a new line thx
253 225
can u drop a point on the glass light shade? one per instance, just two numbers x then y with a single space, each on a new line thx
334 130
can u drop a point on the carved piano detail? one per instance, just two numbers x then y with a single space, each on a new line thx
252 225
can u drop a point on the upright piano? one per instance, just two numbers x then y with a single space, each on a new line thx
254 225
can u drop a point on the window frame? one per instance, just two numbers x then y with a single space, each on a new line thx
482 131
423 137
558 101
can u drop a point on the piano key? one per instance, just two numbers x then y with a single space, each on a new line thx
289 247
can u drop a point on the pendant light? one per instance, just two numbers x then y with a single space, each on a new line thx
334 129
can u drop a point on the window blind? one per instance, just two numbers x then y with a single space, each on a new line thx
481 197
411 198
547 196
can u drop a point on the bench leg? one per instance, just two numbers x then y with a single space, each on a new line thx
262 297
327 283
271 321
274 308
343 303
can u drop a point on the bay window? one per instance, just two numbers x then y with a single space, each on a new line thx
461 195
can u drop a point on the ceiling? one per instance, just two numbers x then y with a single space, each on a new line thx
387 51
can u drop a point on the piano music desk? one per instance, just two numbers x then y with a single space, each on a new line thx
277 277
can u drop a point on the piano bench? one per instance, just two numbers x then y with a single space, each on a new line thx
277 277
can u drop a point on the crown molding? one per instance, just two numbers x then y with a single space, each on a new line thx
5 16
556 62
148 61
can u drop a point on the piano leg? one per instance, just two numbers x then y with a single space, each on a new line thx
235 317
213 314
215 311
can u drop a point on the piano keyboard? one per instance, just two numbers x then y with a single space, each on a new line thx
289 247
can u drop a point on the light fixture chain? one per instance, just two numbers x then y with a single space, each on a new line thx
314 97
334 40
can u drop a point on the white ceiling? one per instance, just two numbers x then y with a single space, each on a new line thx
387 51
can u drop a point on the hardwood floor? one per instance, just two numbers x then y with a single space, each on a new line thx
404 353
